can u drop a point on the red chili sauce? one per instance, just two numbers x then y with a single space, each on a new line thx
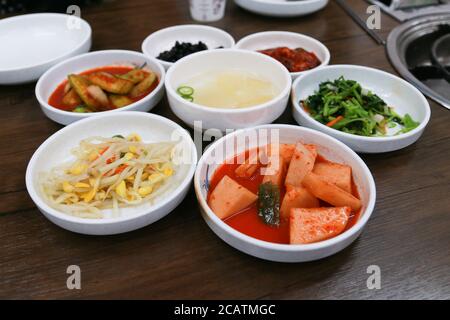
295 60
247 221
56 98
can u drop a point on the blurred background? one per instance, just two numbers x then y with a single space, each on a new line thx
11 7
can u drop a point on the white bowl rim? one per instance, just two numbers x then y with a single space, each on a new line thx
44 15
183 26
287 3
37 199
357 227
285 91
341 134
47 106
323 47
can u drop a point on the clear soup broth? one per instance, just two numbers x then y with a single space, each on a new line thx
232 89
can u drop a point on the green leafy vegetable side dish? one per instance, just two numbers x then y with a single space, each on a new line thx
269 203
344 105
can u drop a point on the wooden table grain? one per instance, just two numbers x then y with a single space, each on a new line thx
179 257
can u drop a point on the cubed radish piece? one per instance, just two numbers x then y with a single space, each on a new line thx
336 173
275 172
249 167
329 192
301 164
316 224
286 151
289 188
229 197
313 149
297 197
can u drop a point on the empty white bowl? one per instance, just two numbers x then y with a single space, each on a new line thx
235 143
396 92
282 8
152 128
273 39
165 39
57 74
227 59
32 43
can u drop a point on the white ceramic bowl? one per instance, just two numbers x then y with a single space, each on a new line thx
227 59
57 74
329 147
152 128
165 39
274 39
32 43
396 92
282 8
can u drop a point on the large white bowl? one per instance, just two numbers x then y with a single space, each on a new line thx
57 74
282 8
273 39
152 128
226 59
329 147
32 43
165 39
396 92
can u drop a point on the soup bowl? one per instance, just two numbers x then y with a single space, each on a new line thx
223 60
51 79
332 149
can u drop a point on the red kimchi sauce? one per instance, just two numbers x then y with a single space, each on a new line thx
295 60
247 221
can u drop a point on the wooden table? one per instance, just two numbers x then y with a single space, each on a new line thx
408 236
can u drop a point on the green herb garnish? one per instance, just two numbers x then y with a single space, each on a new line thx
80 109
269 203
408 124
186 92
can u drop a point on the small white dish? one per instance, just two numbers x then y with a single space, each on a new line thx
332 149
396 92
32 43
227 59
164 39
152 128
282 8
57 74
273 39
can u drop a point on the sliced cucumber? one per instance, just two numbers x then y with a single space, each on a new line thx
185 91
